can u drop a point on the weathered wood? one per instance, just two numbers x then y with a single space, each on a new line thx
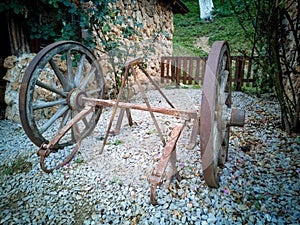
18 42
197 72
182 68
184 59
187 69
191 70
177 76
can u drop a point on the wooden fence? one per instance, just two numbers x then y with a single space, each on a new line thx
190 70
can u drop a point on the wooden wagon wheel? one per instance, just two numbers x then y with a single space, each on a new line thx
51 92
215 109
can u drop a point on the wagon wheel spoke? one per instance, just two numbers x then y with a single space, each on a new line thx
223 92
79 127
63 80
92 92
76 132
69 68
66 117
86 123
79 72
44 104
87 79
52 120
223 96
51 88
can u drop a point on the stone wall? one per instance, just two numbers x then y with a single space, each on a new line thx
15 70
156 32
156 19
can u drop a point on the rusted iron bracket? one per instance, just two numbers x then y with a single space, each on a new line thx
46 149
158 174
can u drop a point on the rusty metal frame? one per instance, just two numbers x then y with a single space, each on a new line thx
169 153
85 105
129 67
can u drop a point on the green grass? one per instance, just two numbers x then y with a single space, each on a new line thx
18 165
225 26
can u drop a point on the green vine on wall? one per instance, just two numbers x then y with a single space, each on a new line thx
58 19
89 22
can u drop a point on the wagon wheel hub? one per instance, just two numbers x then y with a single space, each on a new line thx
237 118
75 100
233 117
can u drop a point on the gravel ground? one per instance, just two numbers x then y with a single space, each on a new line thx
259 184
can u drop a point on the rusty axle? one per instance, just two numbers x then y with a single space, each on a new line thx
182 114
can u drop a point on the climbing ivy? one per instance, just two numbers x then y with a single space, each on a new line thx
53 20
89 22
97 24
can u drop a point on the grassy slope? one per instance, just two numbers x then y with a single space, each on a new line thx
189 27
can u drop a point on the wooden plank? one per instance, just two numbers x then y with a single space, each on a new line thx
178 70
242 70
249 68
170 68
184 80
162 69
197 71
191 69
237 74
203 69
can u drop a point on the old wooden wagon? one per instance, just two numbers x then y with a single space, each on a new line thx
63 90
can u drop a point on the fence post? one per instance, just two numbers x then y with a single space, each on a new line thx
197 72
239 73
178 70
162 69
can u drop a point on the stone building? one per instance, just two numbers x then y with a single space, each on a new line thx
156 17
